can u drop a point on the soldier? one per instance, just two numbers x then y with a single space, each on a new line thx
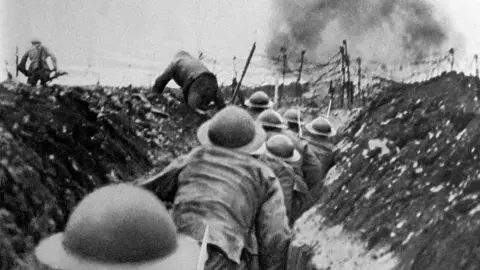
308 167
292 116
257 103
119 227
318 133
282 156
222 185
272 122
38 69
199 85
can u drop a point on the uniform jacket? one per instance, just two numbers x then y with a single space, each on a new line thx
323 149
289 179
238 196
309 166
38 58
183 69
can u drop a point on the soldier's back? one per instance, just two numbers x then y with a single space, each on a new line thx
224 189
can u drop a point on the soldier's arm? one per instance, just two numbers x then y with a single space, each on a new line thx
219 99
165 183
52 57
23 63
273 231
162 80
313 170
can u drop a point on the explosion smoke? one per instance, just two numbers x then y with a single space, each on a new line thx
382 30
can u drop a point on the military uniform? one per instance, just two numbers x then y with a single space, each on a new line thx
289 179
38 69
241 200
199 85
323 149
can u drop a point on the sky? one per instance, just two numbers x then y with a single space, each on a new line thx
107 34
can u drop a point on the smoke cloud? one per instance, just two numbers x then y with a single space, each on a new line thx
380 30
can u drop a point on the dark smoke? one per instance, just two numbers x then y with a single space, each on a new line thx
382 30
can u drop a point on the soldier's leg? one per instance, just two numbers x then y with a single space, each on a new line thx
44 77
33 79
195 100
198 93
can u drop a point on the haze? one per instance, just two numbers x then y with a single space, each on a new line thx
146 33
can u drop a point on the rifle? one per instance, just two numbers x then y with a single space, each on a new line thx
243 74
56 75
16 61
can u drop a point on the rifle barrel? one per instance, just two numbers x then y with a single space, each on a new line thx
244 72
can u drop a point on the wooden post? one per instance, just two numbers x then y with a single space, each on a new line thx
299 72
301 67
234 67
16 61
349 85
342 89
452 62
359 61
243 73
475 57
282 90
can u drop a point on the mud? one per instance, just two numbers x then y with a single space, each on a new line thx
406 180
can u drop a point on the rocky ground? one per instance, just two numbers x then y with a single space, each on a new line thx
404 192
59 143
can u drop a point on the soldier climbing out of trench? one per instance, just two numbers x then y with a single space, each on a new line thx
199 85
308 166
119 226
221 184
38 69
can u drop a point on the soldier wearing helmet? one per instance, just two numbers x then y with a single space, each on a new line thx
222 185
257 103
292 117
308 166
272 122
119 227
199 85
318 133
282 157
38 69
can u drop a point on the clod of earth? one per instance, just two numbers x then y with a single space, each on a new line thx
404 191
58 144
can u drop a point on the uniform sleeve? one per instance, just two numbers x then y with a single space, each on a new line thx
165 183
219 99
23 62
313 170
273 232
52 57
162 80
